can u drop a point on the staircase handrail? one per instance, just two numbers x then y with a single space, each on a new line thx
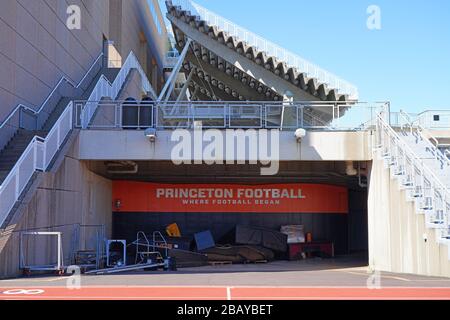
413 155
104 88
36 112
421 131
40 152
37 156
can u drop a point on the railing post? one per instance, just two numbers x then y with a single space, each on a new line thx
17 178
389 113
117 115
152 123
83 116
20 117
191 114
139 116
227 107
71 113
35 155
44 156
58 135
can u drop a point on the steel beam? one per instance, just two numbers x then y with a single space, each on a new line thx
185 87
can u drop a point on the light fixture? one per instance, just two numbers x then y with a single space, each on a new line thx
350 169
288 96
300 134
150 133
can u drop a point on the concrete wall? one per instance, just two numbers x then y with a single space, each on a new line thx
37 48
68 196
357 221
397 233
132 28
133 145
132 87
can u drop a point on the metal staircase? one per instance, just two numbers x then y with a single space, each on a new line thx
420 171
427 147
29 151
430 155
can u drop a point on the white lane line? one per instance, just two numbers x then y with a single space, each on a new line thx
382 276
35 280
368 275
228 293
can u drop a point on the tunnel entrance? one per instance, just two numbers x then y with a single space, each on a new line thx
326 219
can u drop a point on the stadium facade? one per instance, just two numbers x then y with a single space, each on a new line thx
116 120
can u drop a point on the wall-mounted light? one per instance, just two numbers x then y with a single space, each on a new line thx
118 203
350 169
300 134
150 133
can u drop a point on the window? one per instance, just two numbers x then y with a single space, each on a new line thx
436 117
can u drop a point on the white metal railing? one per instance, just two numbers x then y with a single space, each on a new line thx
216 114
398 121
37 156
417 176
425 135
427 119
39 153
15 120
104 88
271 49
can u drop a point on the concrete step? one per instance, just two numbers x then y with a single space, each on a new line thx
9 160
6 167
16 145
56 113
109 73
14 150
21 140
3 174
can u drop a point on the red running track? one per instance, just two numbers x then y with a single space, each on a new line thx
221 293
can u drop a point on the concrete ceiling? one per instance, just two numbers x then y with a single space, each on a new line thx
328 172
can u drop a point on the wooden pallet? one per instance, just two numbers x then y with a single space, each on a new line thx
219 263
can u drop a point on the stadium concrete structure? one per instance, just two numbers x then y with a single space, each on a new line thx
87 117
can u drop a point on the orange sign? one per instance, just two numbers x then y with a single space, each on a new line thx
130 196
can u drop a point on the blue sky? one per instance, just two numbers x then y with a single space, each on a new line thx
406 62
